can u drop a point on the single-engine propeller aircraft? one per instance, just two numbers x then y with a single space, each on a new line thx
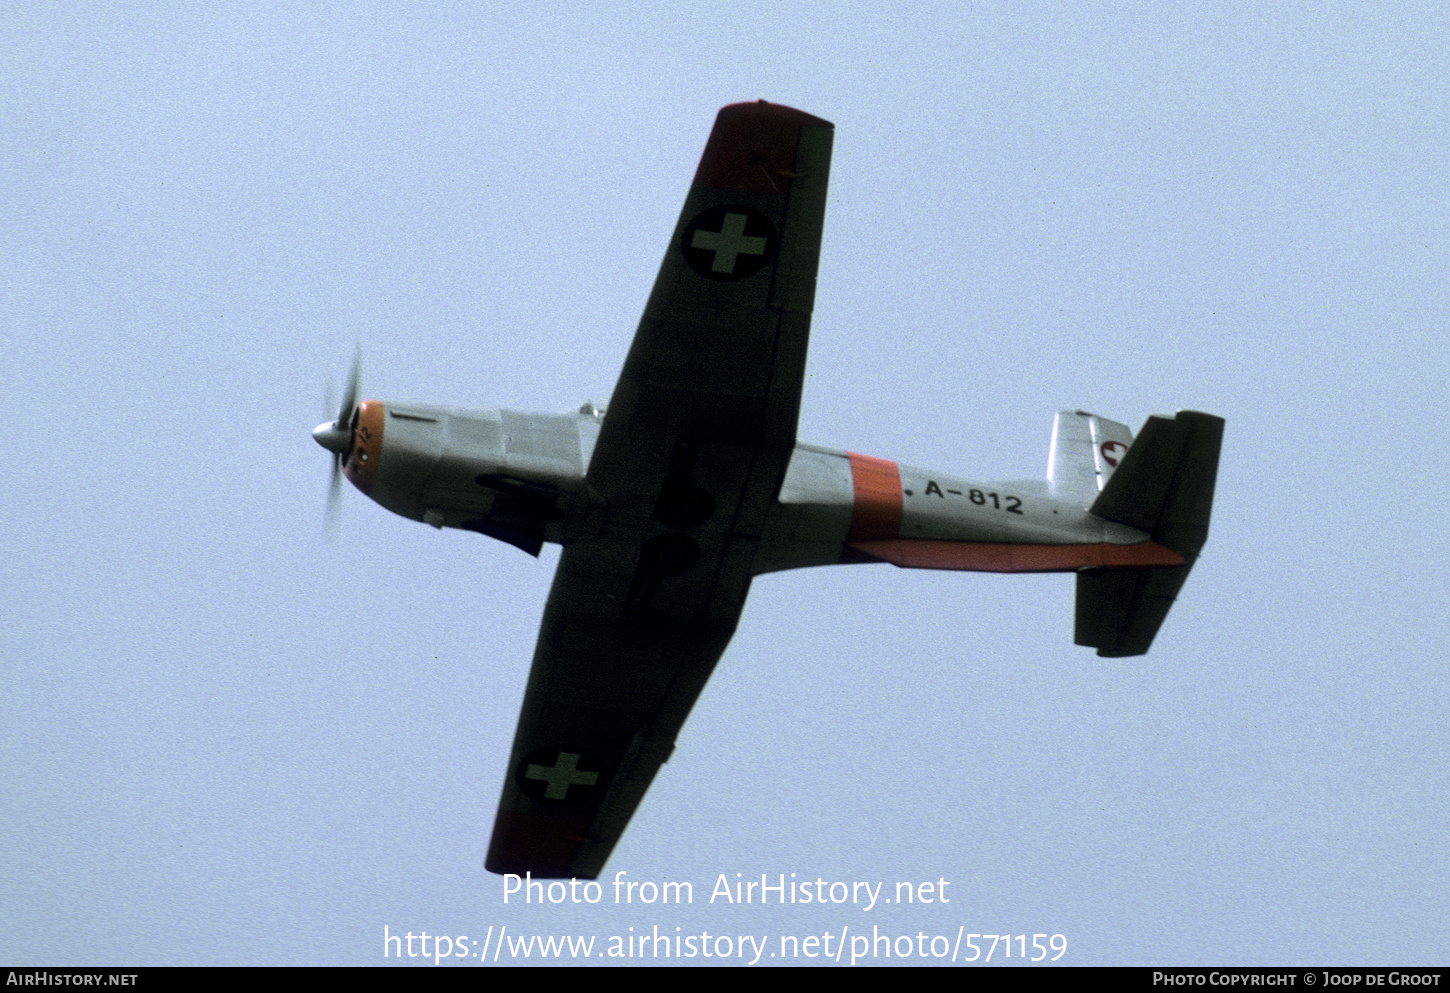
693 483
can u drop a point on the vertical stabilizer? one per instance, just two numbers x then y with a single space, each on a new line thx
1085 451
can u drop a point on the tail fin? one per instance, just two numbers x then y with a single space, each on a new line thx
1164 486
1085 451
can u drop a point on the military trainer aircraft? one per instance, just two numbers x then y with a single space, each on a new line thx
693 482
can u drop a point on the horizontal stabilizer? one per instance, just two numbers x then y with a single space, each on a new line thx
1164 486
1120 610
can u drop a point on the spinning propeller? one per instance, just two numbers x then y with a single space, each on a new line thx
337 436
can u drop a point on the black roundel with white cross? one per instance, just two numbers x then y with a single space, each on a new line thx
560 774
729 242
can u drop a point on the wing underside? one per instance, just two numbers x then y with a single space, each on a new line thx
690 458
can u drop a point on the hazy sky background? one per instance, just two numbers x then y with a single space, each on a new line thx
228 740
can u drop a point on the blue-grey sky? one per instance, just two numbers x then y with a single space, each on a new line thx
228 740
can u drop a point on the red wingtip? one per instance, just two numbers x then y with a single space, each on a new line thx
752 147
544 846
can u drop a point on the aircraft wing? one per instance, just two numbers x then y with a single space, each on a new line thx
690 457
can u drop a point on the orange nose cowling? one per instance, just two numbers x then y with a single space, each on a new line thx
367 446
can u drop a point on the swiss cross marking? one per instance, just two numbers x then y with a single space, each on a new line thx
564 773
728 242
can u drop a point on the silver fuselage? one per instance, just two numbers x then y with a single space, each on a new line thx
456 468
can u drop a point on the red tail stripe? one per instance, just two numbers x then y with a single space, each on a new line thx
877 486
